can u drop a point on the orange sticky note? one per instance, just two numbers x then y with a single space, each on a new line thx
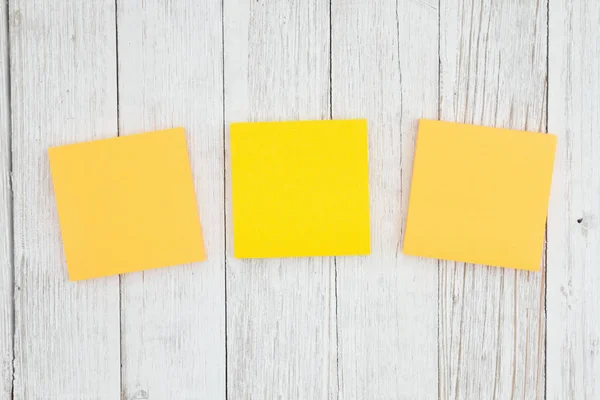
479 195
300 188
126 204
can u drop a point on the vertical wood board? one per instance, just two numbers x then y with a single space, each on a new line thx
6 268
492 72
573 349
280 312
173 319
385 69
63 86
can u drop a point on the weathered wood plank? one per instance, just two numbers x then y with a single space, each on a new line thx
493 72
280 321
63 86
6 268
573 349
385 69
173 319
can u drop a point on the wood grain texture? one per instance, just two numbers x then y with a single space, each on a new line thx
384 326
573 350
280 312
63 86
493 72
385 69
173 319
6 269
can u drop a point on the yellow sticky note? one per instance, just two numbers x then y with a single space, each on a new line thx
479 195
126 204
300 188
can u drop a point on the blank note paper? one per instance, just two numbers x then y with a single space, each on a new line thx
479 195
300 188
126 204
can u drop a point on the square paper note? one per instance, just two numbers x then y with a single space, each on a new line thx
479 195
300 188
126 204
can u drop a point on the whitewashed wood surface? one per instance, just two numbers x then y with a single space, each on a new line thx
493 71
173 319
384 326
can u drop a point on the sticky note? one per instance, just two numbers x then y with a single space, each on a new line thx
300 188
126 204
479 195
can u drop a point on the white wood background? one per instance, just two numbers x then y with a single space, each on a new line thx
384 326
